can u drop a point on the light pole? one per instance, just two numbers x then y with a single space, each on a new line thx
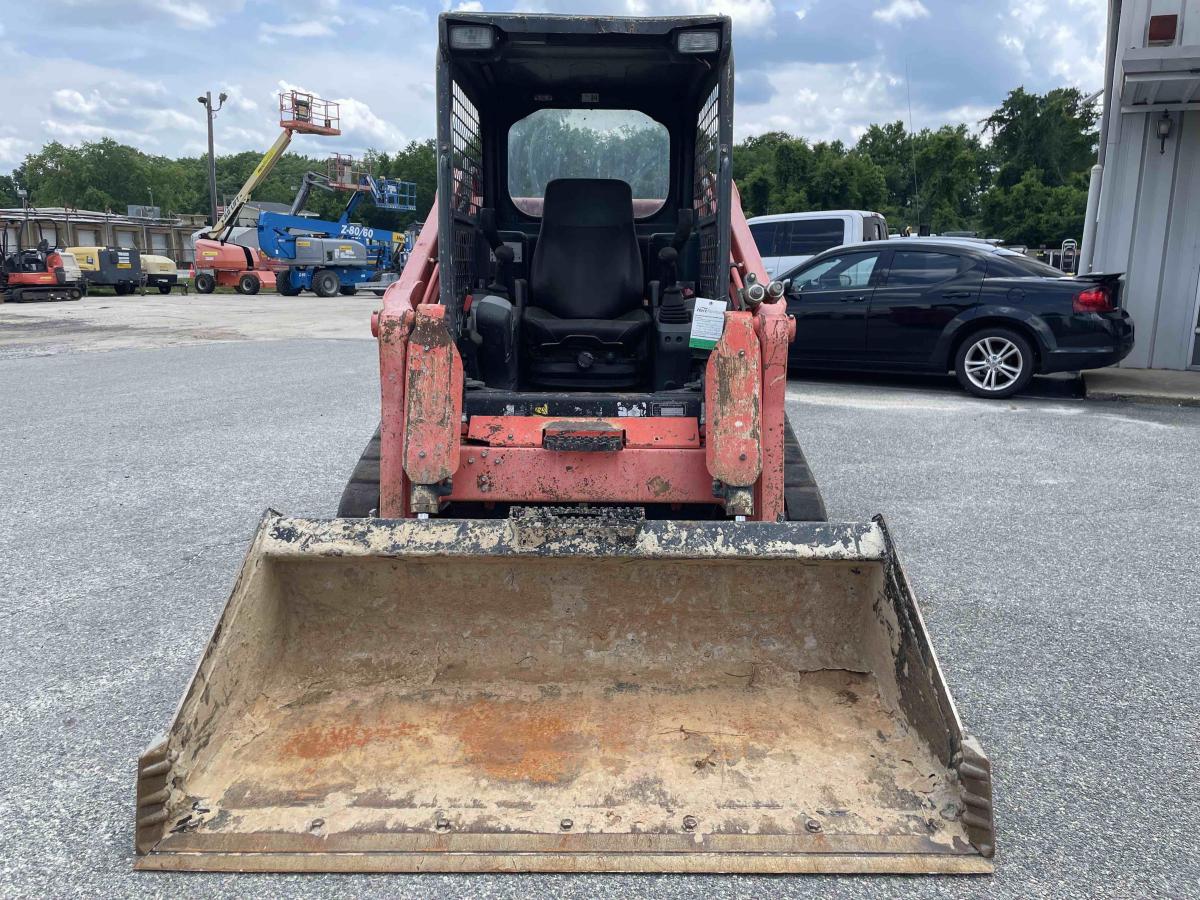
24 197
210 112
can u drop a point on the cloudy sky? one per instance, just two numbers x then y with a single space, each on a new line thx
78 70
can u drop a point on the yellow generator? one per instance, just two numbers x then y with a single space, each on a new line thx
160 272
119 268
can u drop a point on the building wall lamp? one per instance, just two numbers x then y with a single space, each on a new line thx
1163 129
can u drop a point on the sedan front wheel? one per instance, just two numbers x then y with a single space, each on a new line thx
994 363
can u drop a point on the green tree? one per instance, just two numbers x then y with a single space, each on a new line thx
952 172
1054 133
1034 213
779 173
101 175
8 192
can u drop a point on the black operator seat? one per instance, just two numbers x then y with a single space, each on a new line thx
585 282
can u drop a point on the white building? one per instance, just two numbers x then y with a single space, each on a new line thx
1144 202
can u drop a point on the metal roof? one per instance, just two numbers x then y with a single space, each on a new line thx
1160 79
62 214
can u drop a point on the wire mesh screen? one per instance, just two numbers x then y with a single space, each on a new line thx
462 258
706 193
708 283
466 152
460 181
704 185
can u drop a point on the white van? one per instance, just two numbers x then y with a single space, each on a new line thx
787 239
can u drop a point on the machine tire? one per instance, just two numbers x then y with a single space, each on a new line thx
378 292
284 286
361 496
164 289
348 290
205 283
801 497
249 284
121 289
75 294
326 283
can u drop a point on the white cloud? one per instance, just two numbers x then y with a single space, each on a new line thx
190 15
901 10
237 97
309 28
90 131
1066 44
468 6
145 104
71 101
826 102
187 15
838 101
12 151
409 14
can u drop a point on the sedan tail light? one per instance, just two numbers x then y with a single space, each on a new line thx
1093 300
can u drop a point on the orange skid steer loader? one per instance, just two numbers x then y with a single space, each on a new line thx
580 609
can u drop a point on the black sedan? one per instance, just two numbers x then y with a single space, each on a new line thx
993 316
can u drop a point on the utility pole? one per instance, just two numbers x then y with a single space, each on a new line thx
912 141
210 112
24 195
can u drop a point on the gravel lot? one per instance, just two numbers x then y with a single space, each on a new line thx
1053 543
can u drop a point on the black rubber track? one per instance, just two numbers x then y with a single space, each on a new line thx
802 497
360 499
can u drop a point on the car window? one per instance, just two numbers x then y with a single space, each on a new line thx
764 237
921 267
1023 265
850 270
808 237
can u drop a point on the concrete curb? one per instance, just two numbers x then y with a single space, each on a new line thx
1137 395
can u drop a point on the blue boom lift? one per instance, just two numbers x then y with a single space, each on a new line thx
330 257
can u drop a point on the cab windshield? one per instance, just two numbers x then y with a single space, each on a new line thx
588 143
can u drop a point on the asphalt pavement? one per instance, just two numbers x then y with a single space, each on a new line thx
1052 542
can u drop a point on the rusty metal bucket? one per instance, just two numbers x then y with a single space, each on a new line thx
550 694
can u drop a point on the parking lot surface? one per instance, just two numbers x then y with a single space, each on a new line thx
1052 542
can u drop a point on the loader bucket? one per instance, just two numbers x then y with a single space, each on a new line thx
567 693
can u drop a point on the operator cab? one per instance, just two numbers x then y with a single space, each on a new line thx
584 198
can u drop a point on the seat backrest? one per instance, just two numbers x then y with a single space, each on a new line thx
587 264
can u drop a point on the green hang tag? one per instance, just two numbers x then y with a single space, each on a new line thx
708 323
